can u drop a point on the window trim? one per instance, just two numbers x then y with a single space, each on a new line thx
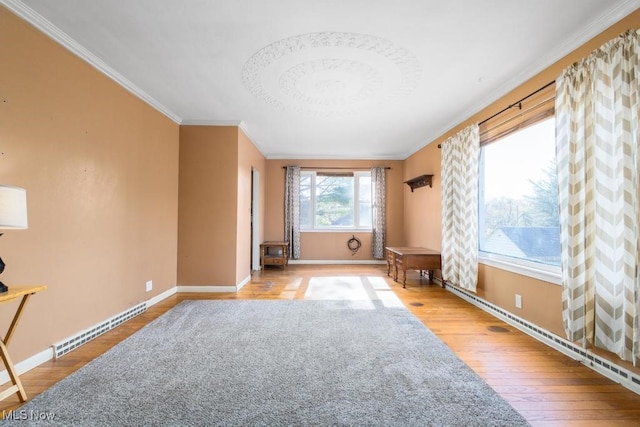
547 273
356 174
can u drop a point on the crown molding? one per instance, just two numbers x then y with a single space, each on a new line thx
39 22
334 157
243 126
206 122
580 37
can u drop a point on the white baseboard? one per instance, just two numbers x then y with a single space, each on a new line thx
206 289
213 288
244 282
164 295
336 261
28 364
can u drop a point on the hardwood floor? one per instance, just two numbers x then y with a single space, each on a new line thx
546 387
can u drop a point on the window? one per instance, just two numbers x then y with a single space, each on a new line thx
518 205
331 200
518 201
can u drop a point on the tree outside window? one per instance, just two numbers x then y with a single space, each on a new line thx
335 200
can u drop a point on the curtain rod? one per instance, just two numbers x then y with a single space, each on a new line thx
518 103
337 168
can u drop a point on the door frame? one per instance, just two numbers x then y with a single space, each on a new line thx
255 219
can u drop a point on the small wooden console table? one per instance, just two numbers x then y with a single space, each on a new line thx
411 258
274 253
12 294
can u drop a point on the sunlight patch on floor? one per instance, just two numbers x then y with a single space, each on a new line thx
293 286
389 299
378 283
336 288
362 291
288 294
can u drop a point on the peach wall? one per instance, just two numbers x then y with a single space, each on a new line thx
541 300
101 172
333 245
249 157
215 205
207 221
422 207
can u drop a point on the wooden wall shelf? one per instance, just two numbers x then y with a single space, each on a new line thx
419 181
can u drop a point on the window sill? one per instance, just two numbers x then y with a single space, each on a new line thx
547 273
335 230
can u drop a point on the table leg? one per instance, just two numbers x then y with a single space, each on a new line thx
262 257
15 379
285 253
6 359
16 319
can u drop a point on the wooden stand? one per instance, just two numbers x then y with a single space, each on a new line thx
412 258
13 293
274 253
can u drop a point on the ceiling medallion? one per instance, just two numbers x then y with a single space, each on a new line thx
330 73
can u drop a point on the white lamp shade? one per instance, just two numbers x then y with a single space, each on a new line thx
13 207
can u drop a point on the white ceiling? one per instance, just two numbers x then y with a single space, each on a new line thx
350 79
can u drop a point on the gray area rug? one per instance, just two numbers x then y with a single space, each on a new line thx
275 363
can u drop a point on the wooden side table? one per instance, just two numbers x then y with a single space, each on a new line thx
412 258
274 253
12 294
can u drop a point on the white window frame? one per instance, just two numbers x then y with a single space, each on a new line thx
356 206
537 270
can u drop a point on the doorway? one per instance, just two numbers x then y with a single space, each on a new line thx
255 219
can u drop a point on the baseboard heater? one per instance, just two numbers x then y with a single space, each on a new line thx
603 366
75 341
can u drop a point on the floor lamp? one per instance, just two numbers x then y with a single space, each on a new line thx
13 214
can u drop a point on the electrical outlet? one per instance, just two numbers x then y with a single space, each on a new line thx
149 285
518 301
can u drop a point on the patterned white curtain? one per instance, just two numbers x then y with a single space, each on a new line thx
597 136
379 207
459 166
292 210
